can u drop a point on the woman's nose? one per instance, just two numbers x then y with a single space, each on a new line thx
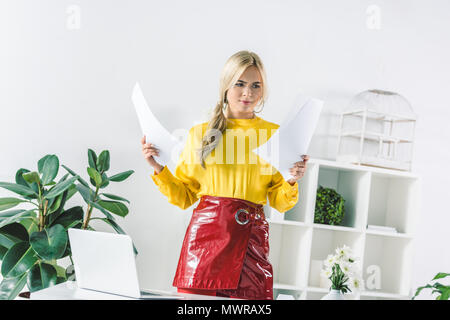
247 91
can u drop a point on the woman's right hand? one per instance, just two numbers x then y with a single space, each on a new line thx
149 150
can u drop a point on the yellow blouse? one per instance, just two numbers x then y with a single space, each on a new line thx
232 169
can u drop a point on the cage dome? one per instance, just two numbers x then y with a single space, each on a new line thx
383 102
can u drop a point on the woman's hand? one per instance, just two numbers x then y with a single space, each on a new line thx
149 150
298 170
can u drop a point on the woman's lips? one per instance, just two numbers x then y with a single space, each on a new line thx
246 102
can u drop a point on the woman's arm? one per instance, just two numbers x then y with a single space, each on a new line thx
180 190
282 196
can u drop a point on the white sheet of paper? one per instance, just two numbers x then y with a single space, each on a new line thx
291 140
153 130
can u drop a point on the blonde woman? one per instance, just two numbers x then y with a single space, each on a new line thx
226 247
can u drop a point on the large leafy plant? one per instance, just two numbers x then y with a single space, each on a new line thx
34 240
442 290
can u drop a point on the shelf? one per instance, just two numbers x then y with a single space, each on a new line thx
289 253
376 163
389 234
342 163
286 287
375 136
392 202
317 289
379 294
374 196
337 228
375 115
392 257
287 222
353 186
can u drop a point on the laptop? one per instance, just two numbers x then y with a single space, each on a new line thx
105 262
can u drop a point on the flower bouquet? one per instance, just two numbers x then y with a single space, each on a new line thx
343 270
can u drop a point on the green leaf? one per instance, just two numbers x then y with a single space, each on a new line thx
420 289
95 176
59 201
11 287
8 217
31 177
114 206
60 188
50 243
18 188
19 259
19 177
81 180
86 192
114 197
105 212
69 218
31 224
41 162
105 181
13 233
121 176
8 203
445 294
3 251
41 276
60 280
92 158
103 161
441 275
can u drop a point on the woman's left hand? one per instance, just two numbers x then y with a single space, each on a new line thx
298 170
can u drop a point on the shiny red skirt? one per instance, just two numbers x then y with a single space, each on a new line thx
225 251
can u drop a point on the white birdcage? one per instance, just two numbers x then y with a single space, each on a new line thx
377 129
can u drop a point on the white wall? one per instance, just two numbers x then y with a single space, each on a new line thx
64 90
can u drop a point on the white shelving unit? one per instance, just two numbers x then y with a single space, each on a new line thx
373 196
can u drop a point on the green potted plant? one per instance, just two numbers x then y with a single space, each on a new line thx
442 290
34 240
329 207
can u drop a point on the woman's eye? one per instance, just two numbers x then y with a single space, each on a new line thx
256 86
239 84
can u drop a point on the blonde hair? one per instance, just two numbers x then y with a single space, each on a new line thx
233 69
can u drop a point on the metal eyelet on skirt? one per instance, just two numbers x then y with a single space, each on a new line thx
236 216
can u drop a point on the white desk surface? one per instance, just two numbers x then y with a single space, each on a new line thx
69 291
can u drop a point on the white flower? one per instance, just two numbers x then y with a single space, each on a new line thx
344 251
325 273
356 284
329 261
345 267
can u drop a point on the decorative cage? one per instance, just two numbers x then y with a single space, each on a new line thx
377 129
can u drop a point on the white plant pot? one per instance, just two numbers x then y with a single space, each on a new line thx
334 295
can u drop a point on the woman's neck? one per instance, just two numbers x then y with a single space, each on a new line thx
231 115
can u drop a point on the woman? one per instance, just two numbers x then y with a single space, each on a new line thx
226 247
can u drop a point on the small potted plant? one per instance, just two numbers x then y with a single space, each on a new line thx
329 207
344 273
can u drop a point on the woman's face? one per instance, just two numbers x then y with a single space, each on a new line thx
246 93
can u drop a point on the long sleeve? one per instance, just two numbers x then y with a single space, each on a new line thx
181 189
282 196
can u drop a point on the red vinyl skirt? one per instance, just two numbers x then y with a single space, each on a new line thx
225 251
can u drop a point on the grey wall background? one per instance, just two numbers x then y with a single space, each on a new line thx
67 69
